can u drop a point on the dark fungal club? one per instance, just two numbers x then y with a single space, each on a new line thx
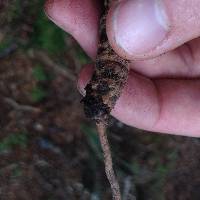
109 77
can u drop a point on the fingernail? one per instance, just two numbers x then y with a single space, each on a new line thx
81 84
81 88
84 78
140 25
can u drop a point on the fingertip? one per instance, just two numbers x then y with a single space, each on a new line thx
48 7
53 11
78 19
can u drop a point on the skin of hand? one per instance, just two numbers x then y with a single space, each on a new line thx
160 37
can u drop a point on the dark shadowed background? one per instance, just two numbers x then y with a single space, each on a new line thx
48 149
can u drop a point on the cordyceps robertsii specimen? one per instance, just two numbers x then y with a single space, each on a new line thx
102 92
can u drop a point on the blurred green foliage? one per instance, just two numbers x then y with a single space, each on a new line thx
38 93
16 172
82 57
39 73
4 44
14 140
93 140
48 36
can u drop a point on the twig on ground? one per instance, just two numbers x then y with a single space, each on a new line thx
20 107
58 69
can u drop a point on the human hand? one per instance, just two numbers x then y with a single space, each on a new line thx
162 93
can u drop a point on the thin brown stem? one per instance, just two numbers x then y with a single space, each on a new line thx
108 162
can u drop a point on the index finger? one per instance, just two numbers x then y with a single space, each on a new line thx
79 18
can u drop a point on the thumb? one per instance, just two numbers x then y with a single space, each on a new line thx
140 29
